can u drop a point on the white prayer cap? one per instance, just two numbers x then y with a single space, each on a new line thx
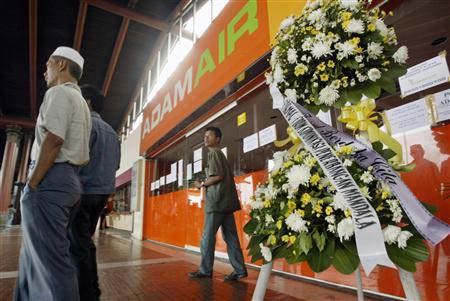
70 54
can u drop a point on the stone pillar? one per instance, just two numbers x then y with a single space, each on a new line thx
13 135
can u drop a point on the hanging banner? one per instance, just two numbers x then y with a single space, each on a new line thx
368 234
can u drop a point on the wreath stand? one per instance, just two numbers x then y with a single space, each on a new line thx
407 279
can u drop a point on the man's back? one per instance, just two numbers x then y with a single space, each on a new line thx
98 176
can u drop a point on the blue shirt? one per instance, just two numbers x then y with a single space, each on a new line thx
99 175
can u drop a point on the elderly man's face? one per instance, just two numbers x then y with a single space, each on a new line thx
52 71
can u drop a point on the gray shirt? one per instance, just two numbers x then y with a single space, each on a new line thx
64 113
221 197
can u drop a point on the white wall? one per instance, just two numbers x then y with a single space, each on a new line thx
130 150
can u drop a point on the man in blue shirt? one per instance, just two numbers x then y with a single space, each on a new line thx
98 183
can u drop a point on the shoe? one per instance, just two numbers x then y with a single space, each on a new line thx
235 276
198 274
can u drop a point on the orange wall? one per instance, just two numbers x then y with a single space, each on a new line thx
170 219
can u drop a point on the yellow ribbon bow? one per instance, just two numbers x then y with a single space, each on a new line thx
292 137
360 117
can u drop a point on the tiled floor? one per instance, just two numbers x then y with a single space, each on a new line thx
134 270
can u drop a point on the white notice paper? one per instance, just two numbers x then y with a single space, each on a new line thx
425 75
173 169
189 171
180 172
198 166
325 117
224 151
250 142
267 135
408 117
198 154
152 186
442 104
162 181
157 185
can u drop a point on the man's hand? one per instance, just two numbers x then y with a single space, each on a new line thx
198 184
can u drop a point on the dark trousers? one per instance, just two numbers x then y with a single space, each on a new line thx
45 270
82 226
208 244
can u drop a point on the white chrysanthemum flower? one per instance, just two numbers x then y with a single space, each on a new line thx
355 26
349 4
331 219
278 158
291 94
345 229
286 23
320 49
324 182
265 251
374 50
367 177
374 74
391 234
285 187
396 210
403 238
269 78
328 95
339 202
304 58
315 16
295 222
278 75
331 228
292 56
271 191
401 55
345 49
312 4
347 163
298 175
257 204
379 24
269 219
274 56
307 44
365 192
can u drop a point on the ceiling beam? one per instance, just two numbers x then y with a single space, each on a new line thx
116 50
130 14
79 30
32 46
26 124
152 59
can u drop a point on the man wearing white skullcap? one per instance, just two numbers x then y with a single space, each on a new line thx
60 147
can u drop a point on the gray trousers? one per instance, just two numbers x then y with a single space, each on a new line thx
208 244
45 269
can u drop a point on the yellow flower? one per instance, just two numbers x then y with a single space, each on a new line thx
272 240
386 63
288 164
279 224
321 66
292 239
330 64
355 41
285 238
298 157
318 208
314 32
291 205
385 194
380 208
318 214
324 77
371 27
310 161
309 28
359 50
314 180
345 24
347 213
267 203
346 16
300 212
320 187
346 150
300 69
330 34
329 210
306 198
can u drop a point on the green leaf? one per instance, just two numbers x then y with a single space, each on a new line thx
319 239
320 261
400 258
296 258
350 64
256 257
305 242
395 72
387 84
250 227
255 240
372 91
416 249
282 252
350 245
354 96
406 168
388 153
378 147
345 261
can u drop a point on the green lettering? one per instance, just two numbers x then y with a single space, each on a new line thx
206 64
250 25
221 47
